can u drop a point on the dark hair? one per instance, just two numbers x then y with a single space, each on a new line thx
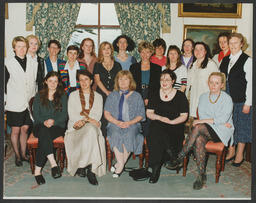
54 41
57 95
170 73
207 55
159 42
73 47
130 42
217 48
188 39
81 54
179 63
84 72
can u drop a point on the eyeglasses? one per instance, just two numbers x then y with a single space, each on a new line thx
165 80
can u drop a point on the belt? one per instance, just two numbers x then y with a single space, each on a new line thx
144 86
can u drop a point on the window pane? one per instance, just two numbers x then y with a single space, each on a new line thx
108 14
88 14
109 34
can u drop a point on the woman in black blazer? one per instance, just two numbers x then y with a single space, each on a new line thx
146 76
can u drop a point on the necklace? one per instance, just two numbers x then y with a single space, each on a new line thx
166 93
213 102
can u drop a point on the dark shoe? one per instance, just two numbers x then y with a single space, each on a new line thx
155 174
172 165
204 178
237 164
91 177
56 172
198 184
40 180
81 172
26 158
230 159
18 162
117 175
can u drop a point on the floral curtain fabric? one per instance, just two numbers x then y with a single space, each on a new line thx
52 21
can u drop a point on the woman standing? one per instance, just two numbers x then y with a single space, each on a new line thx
104 72
238 69
121 45
187 48
214 123
84 143
198 75
20 83
174 63
168 111
223 48
68 70
159 50
124 109
50 115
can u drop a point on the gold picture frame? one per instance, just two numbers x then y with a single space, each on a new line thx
6 11
206 33
211 10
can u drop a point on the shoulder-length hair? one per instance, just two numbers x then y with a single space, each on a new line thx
81 54
182 46
207 55
57 95
130 43
168 62
128 74
100 54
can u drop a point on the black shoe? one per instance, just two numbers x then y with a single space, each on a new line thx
26 158
91 177
198 184
230 159
18 162
40 179
81 172
171 165
56 172
237 164
155 174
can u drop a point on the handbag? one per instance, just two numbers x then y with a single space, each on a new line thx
140 174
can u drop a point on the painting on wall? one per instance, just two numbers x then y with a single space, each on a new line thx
6 11
207 34
211 10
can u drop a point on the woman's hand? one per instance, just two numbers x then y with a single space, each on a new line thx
122 124
246 109
107 92
228 125
79 124
49 123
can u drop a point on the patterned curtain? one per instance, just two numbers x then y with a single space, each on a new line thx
141 21
52 21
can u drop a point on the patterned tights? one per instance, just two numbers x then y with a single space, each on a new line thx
197 138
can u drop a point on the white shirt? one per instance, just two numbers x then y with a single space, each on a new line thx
72 73
248 75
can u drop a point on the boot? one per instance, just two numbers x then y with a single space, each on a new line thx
155 174
91 176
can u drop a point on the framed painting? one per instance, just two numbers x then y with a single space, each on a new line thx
207 34
211 10
6 11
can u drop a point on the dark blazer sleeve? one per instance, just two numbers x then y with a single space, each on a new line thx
154 81
40 73
136 73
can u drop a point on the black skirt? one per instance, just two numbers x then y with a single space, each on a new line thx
18 119
214 136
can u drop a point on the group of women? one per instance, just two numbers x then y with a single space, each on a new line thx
89 98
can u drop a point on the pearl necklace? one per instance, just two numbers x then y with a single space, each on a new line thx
213 102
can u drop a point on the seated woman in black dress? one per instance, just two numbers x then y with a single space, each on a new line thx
168 111
50 115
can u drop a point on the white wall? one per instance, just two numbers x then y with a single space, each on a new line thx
244 25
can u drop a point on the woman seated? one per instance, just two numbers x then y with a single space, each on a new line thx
214 123
84 143
168 111
124 109
50 115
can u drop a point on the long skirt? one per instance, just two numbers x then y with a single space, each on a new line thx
84 147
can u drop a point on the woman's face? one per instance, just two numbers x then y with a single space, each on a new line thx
20 49
87 47
159 50
85 82
235 45
223 43
188 47
33 45
72 55
52 83
145 54
200 51
122 44
166 82
215 84
53 49
106 51
173 56
124 82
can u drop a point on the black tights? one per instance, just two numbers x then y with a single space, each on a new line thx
197 138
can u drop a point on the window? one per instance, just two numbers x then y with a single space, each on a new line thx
97 21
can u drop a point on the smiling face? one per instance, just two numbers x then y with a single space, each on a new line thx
145 54
166 82
106 51
85 82
20 49
235 45
33 45
87 47
188 47
122 44
200 51
223 43
173 55
52 83
124 83
72 55
159 51
215 84
53 50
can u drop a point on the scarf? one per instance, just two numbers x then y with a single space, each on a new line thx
189 62
85 112
121 104
221 55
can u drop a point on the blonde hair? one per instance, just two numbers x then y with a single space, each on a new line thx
145 45
19 39
100 54
128 74
29 37
222 76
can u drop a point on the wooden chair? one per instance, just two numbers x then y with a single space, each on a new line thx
110 155
32 144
